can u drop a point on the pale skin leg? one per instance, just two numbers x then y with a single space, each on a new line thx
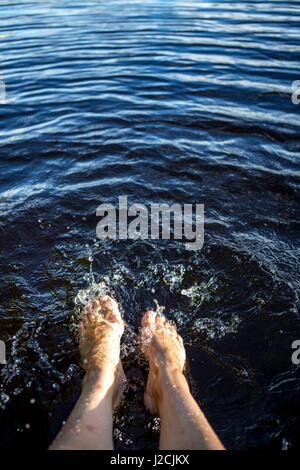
90 425
183 424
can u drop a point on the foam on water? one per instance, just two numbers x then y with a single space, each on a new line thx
216 328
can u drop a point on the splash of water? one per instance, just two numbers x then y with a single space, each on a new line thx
93 291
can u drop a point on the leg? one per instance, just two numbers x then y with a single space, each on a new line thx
90 424
183 424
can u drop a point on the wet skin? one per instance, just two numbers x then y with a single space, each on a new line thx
167 394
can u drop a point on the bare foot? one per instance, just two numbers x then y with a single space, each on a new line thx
101 329
164 350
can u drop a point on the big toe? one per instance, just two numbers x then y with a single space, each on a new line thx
149 319
106 301
109 306
110 311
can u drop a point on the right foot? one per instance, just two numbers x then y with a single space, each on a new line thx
164 349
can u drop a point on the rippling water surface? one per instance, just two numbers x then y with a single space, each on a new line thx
163 101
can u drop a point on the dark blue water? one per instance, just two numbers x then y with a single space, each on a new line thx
168 102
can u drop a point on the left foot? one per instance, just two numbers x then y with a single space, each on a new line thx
101 329
164 349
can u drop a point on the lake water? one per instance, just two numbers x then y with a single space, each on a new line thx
165 102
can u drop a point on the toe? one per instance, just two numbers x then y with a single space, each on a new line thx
106 303
173 330
83 317
160 321
88 309
148 319
114 306
95 305
81 328
110 308
180 339
167 326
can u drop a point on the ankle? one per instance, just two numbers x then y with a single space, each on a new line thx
168 379
169 376
174 388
